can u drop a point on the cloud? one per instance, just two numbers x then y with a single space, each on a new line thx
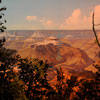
78 21
44 22
74 19
48 24
31 18
97 14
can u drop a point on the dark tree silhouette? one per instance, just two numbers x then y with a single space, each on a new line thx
60 84
2 27
64 87
97 66
86 91
33 73
93 27
10 86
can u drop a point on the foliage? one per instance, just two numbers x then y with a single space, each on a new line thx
10 87
87 90
33 73
2 27
97 80
65 86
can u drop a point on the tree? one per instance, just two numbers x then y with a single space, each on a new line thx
94 31
86 90
60 85
10 86
65 87
2 27
97 66
97 81
33 73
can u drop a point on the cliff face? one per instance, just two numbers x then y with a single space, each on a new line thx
88 45
57 54
75 58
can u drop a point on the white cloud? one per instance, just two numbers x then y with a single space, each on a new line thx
74 19
31 18
77 21
97 14
48 24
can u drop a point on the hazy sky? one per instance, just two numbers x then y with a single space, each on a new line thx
50 14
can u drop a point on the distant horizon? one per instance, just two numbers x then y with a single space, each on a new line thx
53 30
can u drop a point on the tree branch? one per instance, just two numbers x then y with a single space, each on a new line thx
96 24
93 27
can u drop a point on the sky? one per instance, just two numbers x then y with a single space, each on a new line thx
50 14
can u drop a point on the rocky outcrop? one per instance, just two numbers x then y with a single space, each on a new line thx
57 54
